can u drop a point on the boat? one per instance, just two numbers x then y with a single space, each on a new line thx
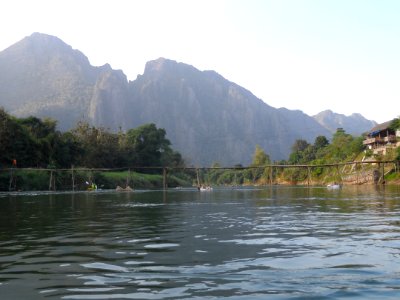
205 188
333 186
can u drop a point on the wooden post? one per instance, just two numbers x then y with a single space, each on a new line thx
356 173
52 182
73 178
13 181
128 177
308 175
271 175
235 184
338 172
164 178
198 178
51 177
383 173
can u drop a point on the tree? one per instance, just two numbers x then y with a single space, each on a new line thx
16 142
150 146
260 158
34 142
299 145
298 148
100 147
46 138
68 151
320 142
395 124
344 146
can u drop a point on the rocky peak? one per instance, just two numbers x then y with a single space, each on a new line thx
163 66
354 124
42 48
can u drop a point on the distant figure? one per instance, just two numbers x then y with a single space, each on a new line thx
92 187
121 189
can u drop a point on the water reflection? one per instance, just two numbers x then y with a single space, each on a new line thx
248 243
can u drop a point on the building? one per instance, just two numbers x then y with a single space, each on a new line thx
381 137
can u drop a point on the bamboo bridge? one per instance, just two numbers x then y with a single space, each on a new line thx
354 172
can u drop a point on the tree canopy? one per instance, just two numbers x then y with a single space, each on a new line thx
260 158
34 142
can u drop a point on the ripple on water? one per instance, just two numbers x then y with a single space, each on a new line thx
104 267
243 248
261 241
161 246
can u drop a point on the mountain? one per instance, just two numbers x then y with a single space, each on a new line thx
210 119
43 76
354 124
207 118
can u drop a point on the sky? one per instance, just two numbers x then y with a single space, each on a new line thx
310 55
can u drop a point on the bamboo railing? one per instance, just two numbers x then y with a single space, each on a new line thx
358 176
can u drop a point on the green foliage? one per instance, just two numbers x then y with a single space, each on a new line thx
151 147
100 147
320 142
301 152
395 124
16 142
259 173
343 147
260 158
36 143
398 154
299 146
304 153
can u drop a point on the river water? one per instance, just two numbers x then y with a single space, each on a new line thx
266 243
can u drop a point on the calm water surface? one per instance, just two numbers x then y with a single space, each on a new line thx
267 243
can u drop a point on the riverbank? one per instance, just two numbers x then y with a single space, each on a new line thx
42 180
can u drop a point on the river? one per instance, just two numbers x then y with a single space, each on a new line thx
246 243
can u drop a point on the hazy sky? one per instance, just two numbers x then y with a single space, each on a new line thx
310 55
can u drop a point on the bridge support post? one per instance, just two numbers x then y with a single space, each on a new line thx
52 181
165 185
13 181
271 174
356 167
73 178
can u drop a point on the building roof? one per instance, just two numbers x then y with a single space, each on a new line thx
380 127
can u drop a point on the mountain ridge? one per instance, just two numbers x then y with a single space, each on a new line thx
207 117
354 124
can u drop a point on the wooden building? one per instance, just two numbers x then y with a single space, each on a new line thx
381 137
